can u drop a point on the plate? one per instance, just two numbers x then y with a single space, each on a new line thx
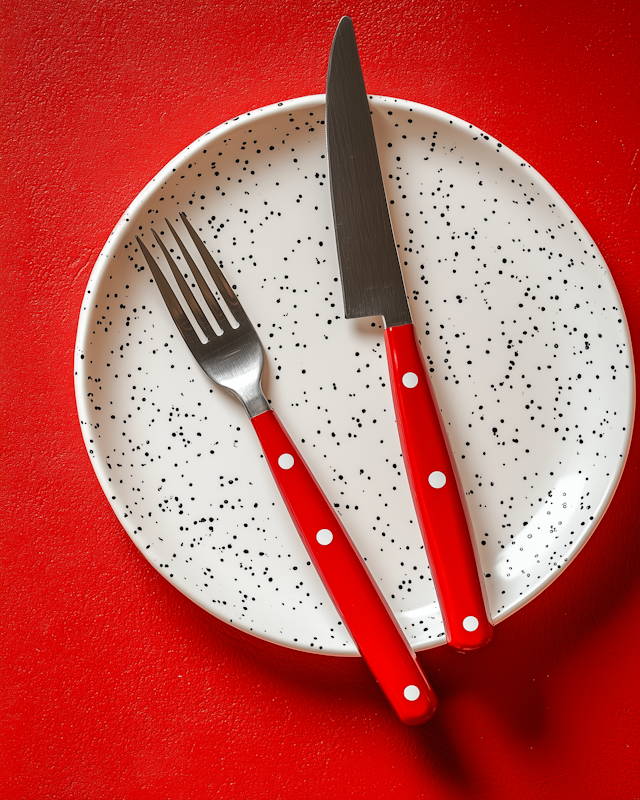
518 318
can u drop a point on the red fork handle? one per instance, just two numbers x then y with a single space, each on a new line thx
357 598
437 494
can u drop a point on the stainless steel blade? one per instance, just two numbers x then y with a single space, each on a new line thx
371 276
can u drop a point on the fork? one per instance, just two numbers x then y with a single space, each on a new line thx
234 360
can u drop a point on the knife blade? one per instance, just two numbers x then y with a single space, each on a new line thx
372 284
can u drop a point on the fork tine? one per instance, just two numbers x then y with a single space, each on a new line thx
193 304
202 284
173 304
221 282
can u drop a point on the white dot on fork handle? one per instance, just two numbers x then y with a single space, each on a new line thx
324 536
470 623
412 692
285 461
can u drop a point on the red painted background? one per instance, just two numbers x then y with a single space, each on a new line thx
115 685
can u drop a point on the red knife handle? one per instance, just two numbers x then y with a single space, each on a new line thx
357 598
437 494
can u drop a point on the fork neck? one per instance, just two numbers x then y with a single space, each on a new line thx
255 403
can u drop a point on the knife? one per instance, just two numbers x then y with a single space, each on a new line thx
372 284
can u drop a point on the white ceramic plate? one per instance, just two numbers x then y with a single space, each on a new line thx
518 317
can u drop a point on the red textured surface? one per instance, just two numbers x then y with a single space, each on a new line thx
115 685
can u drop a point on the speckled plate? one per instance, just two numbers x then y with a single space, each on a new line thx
519 320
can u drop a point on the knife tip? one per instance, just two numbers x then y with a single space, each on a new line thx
344 36
345 22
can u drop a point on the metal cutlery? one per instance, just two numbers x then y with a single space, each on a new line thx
234 360
372 284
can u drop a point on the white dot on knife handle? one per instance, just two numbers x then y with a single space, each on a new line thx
437 479
410 380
